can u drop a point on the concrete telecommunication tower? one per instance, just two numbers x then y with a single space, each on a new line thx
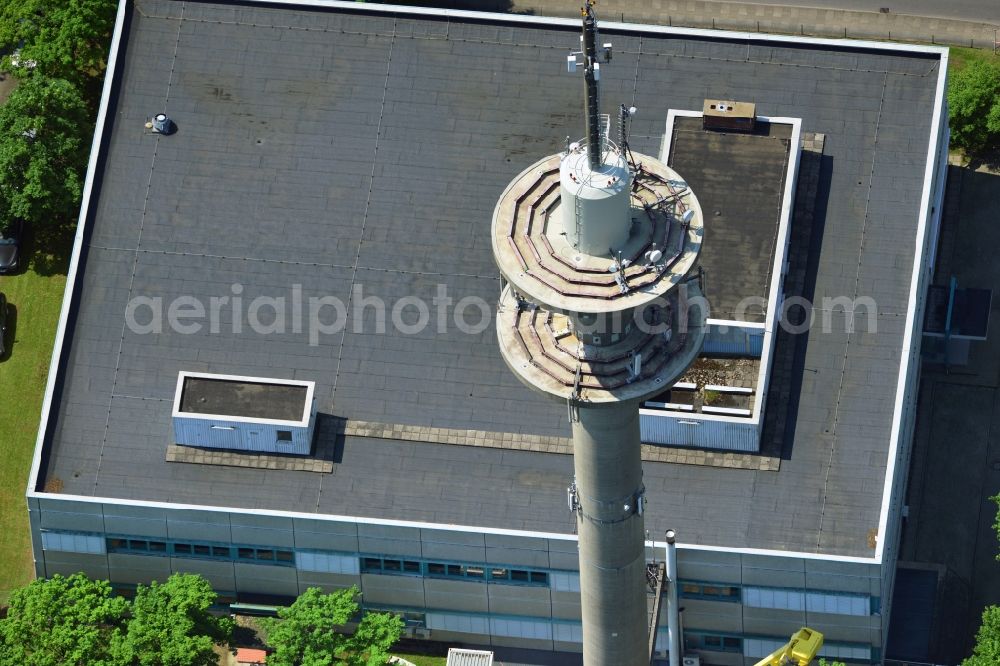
595 245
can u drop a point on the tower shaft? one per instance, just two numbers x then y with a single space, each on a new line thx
595 252
608 465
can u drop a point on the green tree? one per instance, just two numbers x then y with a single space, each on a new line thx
824 662
987 649
308 632
170 625
60 622
974 106
64 39
44 141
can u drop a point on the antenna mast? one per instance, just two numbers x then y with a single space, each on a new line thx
591 92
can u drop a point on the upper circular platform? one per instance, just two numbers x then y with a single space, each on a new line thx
534 254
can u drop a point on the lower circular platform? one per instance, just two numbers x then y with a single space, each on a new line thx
543 351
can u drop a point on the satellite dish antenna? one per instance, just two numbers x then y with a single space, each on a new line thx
688 215
575 146
632 110
653 256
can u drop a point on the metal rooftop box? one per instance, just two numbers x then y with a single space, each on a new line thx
244 413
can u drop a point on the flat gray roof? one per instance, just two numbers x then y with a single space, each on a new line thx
232 397
740 178
323 151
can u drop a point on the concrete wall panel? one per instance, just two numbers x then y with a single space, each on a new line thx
389 540
726 617
155 527
138 569
771 622
520 600
221 575
66 564
262 530
328 582
393 590
265 579
89 521
515 550
528 643
564 555
456 595
453 545
188 524
565 605
326 535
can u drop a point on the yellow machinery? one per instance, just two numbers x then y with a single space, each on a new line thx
800 650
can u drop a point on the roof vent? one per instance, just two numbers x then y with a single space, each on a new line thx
163 124
728 115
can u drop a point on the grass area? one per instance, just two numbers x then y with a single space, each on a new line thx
35 299
422 659
960 57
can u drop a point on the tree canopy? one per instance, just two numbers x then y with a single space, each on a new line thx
62 39
62 621
78 621
986 651
987 648
974 106
57 50
170 625
44 141
306 633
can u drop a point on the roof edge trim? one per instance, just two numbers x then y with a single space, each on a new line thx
919 266
110 74
174 506
731 35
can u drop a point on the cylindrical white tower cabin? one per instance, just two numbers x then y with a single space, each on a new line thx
600 309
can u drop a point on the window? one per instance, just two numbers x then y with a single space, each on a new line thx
327 563
72 542
476 572
713 642
710 591
206 550
284 436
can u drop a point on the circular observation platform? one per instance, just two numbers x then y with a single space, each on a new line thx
534 254
543 351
